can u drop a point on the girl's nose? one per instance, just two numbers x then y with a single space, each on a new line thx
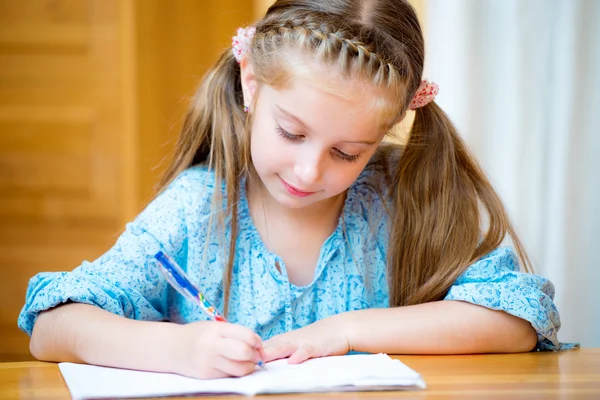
309 170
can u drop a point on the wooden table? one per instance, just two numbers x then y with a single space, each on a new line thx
567 375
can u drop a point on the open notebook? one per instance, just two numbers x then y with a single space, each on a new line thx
360 372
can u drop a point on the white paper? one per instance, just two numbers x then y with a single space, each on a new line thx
329 374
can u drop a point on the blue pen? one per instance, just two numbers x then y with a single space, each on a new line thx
182 283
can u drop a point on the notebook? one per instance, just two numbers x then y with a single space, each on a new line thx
360 372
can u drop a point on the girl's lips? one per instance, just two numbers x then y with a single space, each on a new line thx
294 191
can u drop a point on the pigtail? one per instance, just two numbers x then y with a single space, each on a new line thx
214 134
436 233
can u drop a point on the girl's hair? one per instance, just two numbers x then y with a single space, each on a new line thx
438 189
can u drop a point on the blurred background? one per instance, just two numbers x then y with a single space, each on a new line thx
92 94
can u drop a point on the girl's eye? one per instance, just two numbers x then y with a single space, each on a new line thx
338 153
288 136
346 157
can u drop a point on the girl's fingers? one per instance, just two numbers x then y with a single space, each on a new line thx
234 368
236 350
275 351
303 353
262 355
242 334
211 373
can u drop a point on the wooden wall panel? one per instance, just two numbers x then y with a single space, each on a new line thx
92 93
59 133
185 36
43 25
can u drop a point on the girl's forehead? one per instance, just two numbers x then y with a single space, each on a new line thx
349 103
326 77
306 105
323 88
323 92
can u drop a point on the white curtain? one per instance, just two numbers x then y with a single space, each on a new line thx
521 80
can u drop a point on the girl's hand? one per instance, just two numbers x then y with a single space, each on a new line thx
326 337
211 349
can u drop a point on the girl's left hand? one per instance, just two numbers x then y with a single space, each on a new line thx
326 337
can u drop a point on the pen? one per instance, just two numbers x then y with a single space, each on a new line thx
182 283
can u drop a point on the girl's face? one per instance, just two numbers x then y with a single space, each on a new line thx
309 145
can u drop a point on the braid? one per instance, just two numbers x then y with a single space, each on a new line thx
332 45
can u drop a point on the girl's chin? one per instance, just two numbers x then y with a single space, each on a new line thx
291 202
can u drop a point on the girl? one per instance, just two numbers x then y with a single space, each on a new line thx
295 219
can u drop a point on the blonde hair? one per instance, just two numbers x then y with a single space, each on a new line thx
437 186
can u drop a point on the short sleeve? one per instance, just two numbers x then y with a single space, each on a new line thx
126 280
495 282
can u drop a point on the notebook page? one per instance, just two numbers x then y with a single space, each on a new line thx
94 382
342 373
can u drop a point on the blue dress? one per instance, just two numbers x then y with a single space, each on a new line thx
350 275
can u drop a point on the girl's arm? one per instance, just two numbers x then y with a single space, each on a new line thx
83 333
490 308
87 334
442 327
113 304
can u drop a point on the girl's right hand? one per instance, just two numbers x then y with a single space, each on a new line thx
211 349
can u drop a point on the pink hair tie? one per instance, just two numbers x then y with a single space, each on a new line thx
425 94
242 41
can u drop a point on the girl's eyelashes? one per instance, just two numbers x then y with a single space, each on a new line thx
286 135
346 157
296 138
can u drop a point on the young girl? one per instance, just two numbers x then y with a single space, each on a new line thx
294 218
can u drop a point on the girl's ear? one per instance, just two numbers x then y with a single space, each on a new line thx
249 82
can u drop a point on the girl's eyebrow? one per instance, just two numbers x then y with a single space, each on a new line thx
299 121
292 116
